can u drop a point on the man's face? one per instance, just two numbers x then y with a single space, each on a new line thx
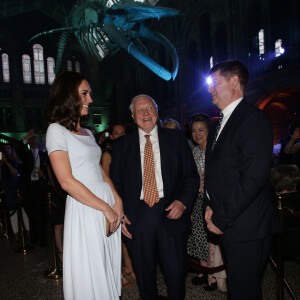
33 142
144 114
222 90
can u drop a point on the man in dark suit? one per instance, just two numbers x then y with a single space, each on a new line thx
155 225
33 185
238 161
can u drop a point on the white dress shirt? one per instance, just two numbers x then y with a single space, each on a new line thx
36 164
157 162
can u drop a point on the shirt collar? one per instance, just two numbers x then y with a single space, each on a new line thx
152 133
231 107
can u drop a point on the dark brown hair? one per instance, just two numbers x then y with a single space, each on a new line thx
200 117
230 68
64 105
285 177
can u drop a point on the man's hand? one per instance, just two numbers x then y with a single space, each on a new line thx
40 173
210 225
124 228
212 228
176 209
29 134
208 214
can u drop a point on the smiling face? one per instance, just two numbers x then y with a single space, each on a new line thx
85 95
144 113
199 133
222 90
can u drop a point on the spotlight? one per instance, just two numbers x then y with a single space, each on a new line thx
208 80
282 50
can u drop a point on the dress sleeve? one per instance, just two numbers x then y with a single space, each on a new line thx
56 139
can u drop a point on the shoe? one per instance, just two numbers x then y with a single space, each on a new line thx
199 280
212 287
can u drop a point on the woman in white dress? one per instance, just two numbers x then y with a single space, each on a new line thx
92 260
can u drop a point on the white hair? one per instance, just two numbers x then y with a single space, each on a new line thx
131 106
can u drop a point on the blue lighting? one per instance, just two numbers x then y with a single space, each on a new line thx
208 80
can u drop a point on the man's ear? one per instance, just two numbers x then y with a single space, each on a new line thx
234 81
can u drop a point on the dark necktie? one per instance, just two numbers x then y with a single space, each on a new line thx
218 127
150 189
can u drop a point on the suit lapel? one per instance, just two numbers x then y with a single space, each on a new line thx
234 115
164 155
134 145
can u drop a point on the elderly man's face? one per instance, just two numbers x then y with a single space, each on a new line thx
144 114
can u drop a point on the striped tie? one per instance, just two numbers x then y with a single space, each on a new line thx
218 127
150 189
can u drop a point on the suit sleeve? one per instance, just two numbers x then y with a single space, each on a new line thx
190 176
115 169
255 143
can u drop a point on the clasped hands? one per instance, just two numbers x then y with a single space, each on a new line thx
210 225
114 215
175 209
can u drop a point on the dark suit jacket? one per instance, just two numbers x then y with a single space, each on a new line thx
27 166
237 175
179 174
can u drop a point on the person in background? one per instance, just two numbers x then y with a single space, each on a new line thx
171 124
285 179
283 157
293 146
92 240
9 176
238 203
116 131
33 186
198 239
58 210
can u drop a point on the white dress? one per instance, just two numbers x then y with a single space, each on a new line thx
92 261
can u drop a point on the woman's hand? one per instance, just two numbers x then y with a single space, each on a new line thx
118 208
112 218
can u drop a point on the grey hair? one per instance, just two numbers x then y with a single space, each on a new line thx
138 96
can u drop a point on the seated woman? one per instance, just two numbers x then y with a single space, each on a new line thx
9 175
284 180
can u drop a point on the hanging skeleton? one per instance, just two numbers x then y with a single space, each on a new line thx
101 29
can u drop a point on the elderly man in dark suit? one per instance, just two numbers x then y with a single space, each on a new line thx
155 174
238 201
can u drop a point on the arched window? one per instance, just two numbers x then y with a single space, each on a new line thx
77 66
211 62
278 48
5 67
50 69
73 65
261 42
38 64
69 65
26 65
